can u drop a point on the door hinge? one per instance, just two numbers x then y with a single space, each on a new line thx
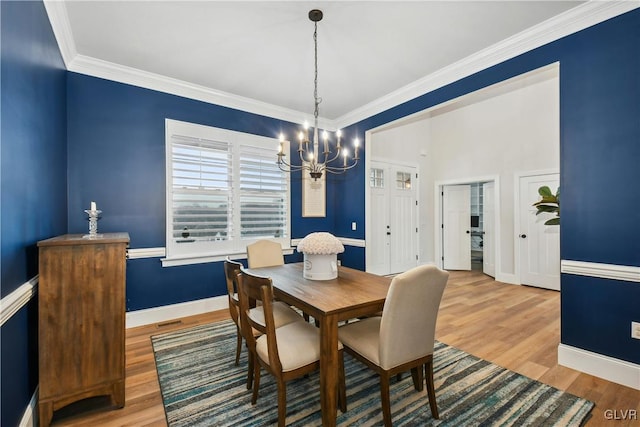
443 258
416 229
416 257
441 225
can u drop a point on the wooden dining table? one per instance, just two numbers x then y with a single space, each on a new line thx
352 294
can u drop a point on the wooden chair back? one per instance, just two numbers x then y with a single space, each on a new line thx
264 253
231 271
259 289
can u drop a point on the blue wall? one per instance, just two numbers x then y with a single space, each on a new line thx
33 168
599 172
116 140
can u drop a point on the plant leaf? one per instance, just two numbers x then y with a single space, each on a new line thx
552 221
545 191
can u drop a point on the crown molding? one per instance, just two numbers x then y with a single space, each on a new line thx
59 19
576 19
111 71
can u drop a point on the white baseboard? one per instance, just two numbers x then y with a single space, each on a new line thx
174 311
29 418
507 278
599 365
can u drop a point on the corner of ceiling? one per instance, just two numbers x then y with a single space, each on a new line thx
576 19
59 20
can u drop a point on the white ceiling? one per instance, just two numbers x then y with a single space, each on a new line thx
263 51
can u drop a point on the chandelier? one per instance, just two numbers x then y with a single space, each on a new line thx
311 159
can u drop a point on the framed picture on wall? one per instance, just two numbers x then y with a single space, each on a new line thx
314 198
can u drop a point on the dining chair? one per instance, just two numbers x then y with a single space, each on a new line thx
287 352
264 253
402 338
282 313
231 271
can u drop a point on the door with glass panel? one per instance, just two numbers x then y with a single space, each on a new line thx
393 247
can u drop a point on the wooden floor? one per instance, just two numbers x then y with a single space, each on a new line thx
517 327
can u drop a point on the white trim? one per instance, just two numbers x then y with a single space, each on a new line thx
506 278
578 18
146 253
121 73
569 22
599 365
352 242
437 206
59 19
29 418
195 259
174 311
17 299
604 271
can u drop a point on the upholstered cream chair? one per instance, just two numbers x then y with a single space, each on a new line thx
402 338
287 352
264 253
282 313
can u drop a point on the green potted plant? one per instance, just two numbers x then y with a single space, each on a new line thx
549 203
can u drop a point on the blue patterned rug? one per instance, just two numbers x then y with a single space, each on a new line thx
202 387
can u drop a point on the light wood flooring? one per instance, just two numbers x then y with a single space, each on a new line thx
517 327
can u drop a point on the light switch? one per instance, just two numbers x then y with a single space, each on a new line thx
353 226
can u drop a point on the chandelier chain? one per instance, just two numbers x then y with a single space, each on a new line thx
311 160
317 100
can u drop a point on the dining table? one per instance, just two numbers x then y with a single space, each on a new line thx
354 293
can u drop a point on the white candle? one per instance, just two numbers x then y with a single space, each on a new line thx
93 206
325 136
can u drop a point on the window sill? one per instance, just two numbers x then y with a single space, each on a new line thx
205 258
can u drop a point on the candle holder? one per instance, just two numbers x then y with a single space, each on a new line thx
94 216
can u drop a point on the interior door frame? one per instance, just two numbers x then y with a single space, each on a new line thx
439 217
367 198
516 214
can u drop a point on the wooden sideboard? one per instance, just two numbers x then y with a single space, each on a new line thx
81 312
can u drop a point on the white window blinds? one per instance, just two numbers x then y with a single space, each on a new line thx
224 191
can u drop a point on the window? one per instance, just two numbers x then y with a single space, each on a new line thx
376 178
224 191
403 180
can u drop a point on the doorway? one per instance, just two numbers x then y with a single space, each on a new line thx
538 244
394 218
468 232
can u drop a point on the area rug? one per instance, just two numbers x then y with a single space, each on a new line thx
202 387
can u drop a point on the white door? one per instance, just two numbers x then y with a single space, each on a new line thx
403 220
378 248
456 227
489 236
393 246
539 244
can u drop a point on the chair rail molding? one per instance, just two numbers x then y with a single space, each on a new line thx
17 299
604 271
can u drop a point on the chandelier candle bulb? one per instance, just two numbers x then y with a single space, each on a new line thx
93 206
